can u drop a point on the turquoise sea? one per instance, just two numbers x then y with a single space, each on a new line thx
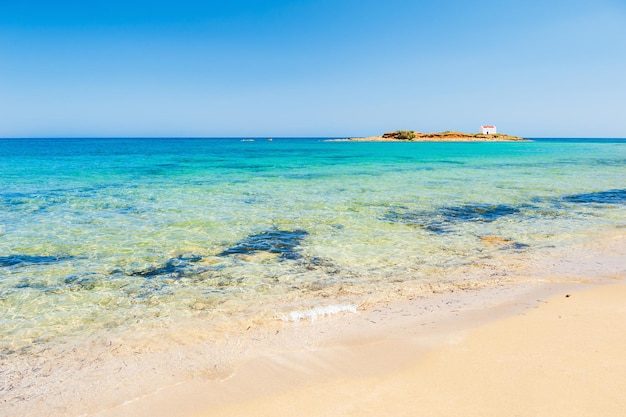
108 235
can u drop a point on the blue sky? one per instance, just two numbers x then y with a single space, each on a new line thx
535 68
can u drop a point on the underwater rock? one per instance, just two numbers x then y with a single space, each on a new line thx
419 219
175 267
75 282
477 212
281 242
322 264
495 240
439 221
617 196
20 260
502 242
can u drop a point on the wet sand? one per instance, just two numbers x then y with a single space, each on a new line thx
563 358
555 349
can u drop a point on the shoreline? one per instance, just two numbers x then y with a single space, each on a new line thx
271 362
523 364
517 363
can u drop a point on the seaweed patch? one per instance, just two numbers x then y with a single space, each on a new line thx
282 242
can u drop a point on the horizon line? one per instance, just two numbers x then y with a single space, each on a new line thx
269 137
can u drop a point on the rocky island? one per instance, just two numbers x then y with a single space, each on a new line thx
447 136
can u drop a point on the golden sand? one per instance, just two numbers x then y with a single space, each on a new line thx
563 358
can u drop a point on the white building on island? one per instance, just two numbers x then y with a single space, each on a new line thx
488 130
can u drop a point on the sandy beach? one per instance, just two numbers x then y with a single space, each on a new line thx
563 359
549 350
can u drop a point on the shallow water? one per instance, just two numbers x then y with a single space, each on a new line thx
111 234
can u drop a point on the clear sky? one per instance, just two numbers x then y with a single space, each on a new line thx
535 68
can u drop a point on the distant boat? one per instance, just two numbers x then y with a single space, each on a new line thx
269 139
247 140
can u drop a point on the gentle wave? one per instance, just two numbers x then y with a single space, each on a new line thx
317 312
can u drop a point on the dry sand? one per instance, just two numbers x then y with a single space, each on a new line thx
566 357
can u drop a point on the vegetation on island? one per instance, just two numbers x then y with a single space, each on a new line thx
401 134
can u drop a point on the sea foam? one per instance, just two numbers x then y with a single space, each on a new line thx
314 313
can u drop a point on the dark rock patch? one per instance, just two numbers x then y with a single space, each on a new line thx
424 220
316 263
76 283
477 212
22 260
617 196
174 268
502 242
282 242
439 221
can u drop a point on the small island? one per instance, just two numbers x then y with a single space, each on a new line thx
447 136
